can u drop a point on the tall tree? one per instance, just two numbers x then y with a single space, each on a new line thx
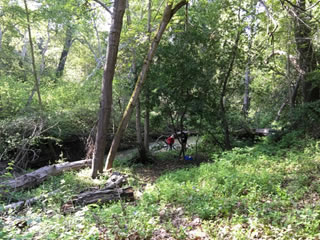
106 92
65 51
225 80
32 55
169 11
147 95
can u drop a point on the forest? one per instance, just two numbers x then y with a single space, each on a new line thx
159 119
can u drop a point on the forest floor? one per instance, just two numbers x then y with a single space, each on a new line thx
265 191
151 172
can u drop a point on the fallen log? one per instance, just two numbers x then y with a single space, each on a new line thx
104 195
34 178
112 191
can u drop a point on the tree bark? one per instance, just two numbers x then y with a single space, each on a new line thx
167 15
65 51
106 92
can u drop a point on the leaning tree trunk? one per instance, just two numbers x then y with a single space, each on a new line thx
65 51
167 15
106 92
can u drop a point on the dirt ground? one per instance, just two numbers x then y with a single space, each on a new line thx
150 173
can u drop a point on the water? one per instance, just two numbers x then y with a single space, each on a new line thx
159 146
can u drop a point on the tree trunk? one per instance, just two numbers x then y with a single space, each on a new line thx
307 60
23 54
146 123
65 51
246 98
167 15
24 47
134 77
32 56
34 178
106 92
186 21
42 66
104 195
225 124
138 123
147 96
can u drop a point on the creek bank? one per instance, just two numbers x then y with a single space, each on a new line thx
72 148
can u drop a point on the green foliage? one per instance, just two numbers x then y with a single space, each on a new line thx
267 190
70 110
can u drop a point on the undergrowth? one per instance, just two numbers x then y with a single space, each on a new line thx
264 191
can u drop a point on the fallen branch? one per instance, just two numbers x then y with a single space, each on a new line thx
34 178
17 206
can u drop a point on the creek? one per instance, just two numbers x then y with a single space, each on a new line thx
159 146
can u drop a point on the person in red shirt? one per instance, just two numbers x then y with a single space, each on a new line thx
170 142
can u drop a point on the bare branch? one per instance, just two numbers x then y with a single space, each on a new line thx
178 6
312 6
268 12
302 9
103 5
